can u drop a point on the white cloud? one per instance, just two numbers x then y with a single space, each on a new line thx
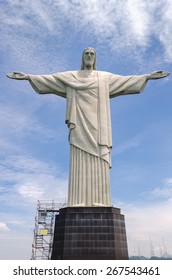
123 26
132 143
26 28
2 189
145 222
138 22
41 10
30 191
3 227
164 192
16 246
150 220
32 179
163 26
19 129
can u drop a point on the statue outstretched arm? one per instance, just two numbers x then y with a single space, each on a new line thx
122 85
157 75
43 84
18 76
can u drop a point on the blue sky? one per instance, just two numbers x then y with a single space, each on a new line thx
44 37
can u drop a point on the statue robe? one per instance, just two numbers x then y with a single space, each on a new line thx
87 96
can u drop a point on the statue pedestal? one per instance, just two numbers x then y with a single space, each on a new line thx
89 233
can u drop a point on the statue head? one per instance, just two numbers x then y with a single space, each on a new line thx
88 59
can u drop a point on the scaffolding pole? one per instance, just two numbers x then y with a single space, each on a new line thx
44 229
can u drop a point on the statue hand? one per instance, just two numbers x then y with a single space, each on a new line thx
18 76
158 75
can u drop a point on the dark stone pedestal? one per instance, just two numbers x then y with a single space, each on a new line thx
89 233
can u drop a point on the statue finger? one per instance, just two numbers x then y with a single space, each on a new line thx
11 75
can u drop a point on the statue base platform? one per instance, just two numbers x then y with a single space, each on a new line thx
89 233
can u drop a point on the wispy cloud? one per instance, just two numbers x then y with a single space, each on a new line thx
20 123
147 221
124 26
164 192
30 179
24 181
150 219
19 126
132 143
3 227
30 191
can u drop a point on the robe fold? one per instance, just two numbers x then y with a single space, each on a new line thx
87 96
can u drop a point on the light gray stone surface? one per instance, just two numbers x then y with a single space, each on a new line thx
87 94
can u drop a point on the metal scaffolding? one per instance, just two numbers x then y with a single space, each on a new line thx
44 229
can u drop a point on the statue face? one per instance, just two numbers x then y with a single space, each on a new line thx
89 58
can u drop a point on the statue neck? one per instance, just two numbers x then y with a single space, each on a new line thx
88 67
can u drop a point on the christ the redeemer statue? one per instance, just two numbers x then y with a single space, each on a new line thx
87 94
